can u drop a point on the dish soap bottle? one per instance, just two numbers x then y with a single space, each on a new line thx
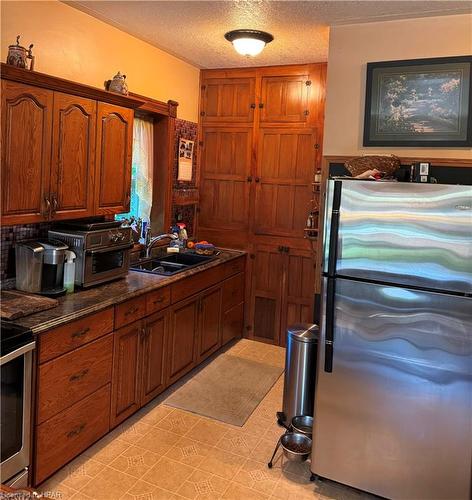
69 271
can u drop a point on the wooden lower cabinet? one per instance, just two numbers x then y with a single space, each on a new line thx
209 338
232 324
182 338
267 290
64 436
125 380
282 291
153 359
89 385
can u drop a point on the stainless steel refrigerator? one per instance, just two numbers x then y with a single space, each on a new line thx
393 400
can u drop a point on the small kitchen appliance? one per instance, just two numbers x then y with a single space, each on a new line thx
16 361
101 249
40 266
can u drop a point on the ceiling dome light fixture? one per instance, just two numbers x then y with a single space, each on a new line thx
248 42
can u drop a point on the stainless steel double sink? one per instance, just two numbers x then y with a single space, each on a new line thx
170 264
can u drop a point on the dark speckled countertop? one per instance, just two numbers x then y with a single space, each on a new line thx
100 297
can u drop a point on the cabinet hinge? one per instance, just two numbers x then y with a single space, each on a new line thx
308 83
306 112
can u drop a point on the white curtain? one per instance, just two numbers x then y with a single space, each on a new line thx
143 165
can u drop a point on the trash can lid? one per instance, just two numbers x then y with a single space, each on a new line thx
304 332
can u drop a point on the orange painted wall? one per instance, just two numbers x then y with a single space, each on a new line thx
71 44
353 46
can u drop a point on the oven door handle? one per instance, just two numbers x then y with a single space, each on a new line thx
17 353
128 246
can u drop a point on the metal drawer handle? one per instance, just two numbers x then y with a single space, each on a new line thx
80 333
76 431
132 311
78 376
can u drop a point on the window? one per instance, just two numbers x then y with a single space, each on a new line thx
141 171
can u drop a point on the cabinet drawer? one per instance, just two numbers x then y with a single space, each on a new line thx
233 291
70 432
197 283
75 334
235 266
130 311
233 323
69 378
155 301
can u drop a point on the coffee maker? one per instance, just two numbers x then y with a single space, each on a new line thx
40 266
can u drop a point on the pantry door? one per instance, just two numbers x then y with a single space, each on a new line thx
285 165
226 164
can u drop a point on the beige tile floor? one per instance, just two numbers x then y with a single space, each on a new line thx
167 453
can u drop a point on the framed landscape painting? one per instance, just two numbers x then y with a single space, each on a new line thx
421 102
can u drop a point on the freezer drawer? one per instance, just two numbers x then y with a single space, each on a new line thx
393 417
402 233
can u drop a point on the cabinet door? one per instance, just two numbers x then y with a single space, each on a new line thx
73 150
125 381
182 338
285 99
267 285
299 293
226 164
26 152
210 322
153 359
228 100
113 159
233 323
283 184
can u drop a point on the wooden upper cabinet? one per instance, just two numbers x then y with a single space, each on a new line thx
113 159
73 160
226 167
283 182
228 100
26 152
284 99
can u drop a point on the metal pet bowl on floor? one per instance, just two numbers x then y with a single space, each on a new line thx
296 446
303 424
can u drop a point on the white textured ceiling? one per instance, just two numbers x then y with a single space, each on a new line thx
193 30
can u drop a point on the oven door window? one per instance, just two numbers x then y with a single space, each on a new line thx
107 261
12 407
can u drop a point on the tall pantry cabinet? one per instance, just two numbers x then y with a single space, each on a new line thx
261 135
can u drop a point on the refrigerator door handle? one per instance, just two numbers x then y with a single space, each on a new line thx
334 229
329 334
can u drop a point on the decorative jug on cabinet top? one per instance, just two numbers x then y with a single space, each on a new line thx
118 84
18 55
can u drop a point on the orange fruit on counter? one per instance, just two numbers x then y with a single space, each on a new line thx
190 244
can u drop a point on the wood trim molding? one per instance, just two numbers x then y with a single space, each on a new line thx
156 107
67 86
405 160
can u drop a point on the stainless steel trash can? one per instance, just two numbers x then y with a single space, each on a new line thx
300 371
